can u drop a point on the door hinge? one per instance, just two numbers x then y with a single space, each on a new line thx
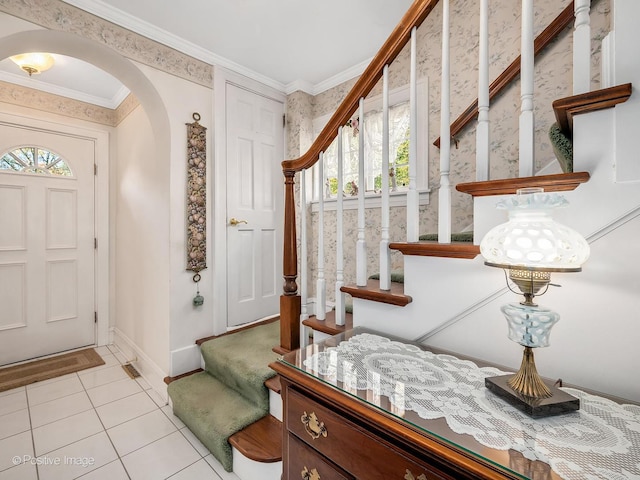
95 169
95 243
284 120
95 317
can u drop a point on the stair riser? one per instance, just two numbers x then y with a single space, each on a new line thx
275 405
247 469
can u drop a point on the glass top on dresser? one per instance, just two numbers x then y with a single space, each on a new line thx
444 396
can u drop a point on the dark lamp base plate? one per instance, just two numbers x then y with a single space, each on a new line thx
560 402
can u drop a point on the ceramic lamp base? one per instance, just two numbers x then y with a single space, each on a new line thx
558 403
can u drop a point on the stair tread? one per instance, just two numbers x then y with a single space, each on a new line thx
273 384
566 108
208 395
372 291
200 341
328 325
168 379
434 249
558 182
213 411
226 358
261 441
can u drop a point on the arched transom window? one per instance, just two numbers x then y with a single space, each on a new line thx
35 160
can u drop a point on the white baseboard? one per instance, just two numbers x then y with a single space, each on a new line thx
147 368
185 360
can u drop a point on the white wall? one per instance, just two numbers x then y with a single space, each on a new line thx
141 239
627 69
186 322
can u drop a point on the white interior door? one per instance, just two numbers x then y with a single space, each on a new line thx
254 199
46 248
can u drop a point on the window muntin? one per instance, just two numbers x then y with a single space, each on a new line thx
398 154
398 197
35 160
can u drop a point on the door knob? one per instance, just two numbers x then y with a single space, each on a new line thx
235 221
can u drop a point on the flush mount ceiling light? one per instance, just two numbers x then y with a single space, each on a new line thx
33 63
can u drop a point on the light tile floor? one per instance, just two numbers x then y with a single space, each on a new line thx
98 424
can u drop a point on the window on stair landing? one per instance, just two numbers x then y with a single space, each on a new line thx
398 172
34 160
398 154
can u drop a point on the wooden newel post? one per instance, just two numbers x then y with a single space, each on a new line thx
290 300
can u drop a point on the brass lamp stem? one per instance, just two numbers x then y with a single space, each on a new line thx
527 381
528 300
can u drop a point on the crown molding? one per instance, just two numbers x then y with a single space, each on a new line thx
123 19
299 85
33 83
334 81
341 77
119 97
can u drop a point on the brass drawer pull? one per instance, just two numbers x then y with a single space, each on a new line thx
313 426
409 476
310 475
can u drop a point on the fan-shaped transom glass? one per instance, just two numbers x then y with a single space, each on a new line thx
35 160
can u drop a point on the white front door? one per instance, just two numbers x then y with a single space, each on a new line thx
254 200
46 245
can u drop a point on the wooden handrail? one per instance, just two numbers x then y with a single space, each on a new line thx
513 70
290 302
414 17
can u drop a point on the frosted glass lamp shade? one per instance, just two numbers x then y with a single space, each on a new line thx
532 239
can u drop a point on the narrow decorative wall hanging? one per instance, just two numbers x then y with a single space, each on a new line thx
196 201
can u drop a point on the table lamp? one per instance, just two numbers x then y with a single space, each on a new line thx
530 247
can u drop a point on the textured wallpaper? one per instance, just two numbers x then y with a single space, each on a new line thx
553 73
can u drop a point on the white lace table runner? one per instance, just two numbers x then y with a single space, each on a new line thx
600 441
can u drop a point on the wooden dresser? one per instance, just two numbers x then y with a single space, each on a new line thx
332 431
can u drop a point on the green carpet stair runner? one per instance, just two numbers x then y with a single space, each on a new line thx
455 237
230 394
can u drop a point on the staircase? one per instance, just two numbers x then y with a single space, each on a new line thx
448 298
230 394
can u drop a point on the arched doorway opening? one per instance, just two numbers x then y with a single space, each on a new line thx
141 87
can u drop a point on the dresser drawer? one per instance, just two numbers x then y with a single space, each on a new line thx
307 464
355 450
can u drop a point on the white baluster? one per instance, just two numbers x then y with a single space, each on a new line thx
413 218
385 254
482 130
340 312
582 47
321 290
304 314
607 72
361 244
527 124
444 195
